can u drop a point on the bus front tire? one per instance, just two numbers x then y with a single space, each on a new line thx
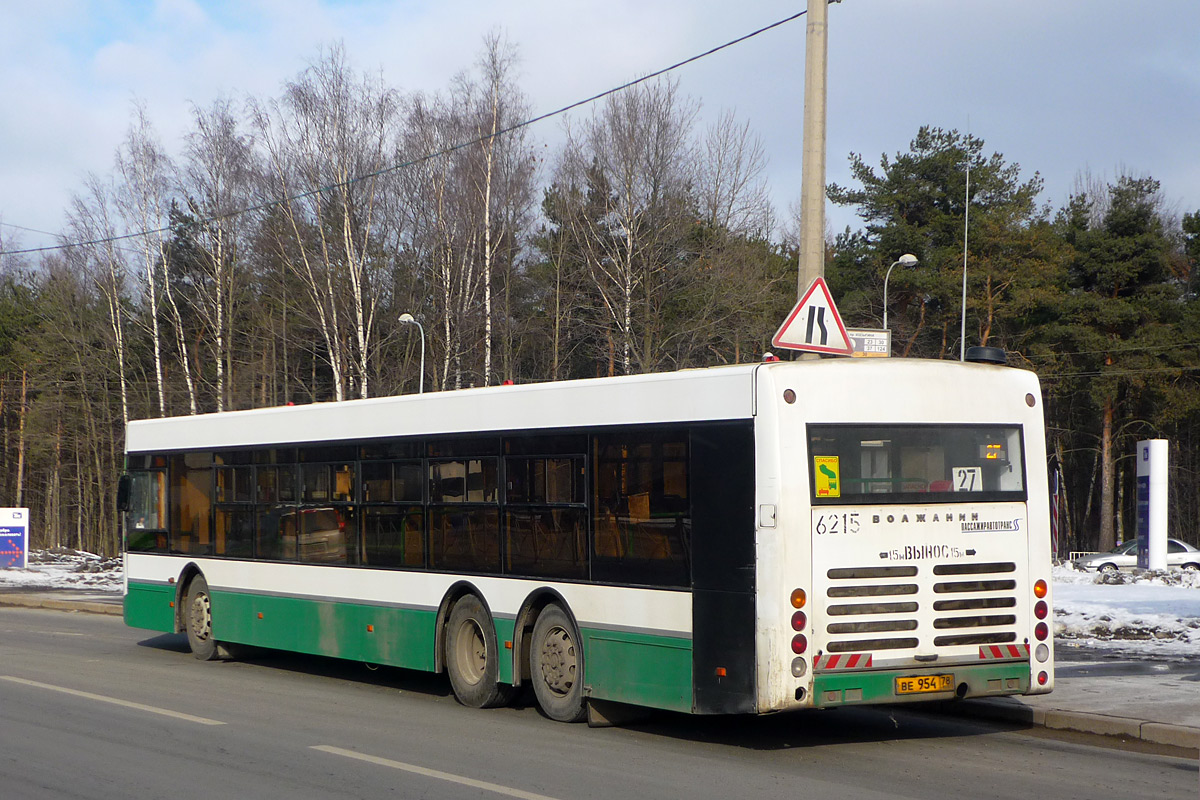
556 666
197 609
471 658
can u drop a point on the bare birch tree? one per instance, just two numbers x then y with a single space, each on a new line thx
90 220
502 169
439 191
327 142
144 199
634 155
216 179
731 189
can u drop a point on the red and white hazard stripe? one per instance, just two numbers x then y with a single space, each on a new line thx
842 661
989 652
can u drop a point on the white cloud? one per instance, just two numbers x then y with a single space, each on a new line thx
1054 86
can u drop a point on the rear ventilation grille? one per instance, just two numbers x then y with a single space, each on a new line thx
969 600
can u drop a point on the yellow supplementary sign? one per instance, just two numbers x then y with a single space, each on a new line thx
827 476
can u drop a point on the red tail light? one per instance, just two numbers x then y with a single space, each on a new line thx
1041 631
799 644
1041 609
799 621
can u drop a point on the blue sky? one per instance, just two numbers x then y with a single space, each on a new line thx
1059 87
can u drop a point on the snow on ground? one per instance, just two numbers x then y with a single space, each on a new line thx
1151 614
62 568
1155 615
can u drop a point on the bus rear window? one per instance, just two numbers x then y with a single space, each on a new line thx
881 464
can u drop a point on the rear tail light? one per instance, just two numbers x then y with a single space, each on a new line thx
1041 631
1043 678
799 621
1040 610
799 644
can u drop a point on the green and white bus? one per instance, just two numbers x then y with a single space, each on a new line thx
744 539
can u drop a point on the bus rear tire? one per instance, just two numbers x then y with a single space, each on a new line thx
197 611
556 666
471 658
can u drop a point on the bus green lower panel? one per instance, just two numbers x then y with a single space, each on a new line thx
399 637
844 688
150 606
505 632
642 670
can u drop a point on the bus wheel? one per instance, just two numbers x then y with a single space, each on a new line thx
471 657
197 609
556 666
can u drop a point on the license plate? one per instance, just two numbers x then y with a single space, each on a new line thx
916 684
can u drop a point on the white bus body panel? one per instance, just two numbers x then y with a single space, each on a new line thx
791 555
687 396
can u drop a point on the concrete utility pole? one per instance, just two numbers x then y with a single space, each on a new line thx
812 177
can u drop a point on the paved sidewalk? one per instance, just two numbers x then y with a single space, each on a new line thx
1133 700
1138 700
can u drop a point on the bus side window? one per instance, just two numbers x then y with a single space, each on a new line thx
191 503
642 517
145 521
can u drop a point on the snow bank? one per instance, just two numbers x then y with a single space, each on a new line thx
62 568
1154 614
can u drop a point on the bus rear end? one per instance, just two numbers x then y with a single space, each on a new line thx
917 533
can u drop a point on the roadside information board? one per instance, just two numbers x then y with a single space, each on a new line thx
1152 467
870 343
14 538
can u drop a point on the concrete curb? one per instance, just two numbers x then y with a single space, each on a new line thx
1081 722
59 604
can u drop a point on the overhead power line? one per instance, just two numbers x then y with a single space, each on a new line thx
429 156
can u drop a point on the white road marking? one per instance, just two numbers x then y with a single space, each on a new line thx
166 712
432 773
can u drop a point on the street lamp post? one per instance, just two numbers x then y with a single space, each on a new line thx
908 260
408 319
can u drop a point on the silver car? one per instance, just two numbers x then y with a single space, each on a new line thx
1124 557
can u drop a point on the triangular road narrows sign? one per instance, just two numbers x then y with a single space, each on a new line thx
814 324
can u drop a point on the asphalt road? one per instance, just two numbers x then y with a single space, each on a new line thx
92 709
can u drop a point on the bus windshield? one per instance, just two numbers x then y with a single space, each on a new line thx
892 464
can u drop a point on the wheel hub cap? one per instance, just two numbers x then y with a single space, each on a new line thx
558 661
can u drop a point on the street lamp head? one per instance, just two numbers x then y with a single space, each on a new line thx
408 319
906 260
